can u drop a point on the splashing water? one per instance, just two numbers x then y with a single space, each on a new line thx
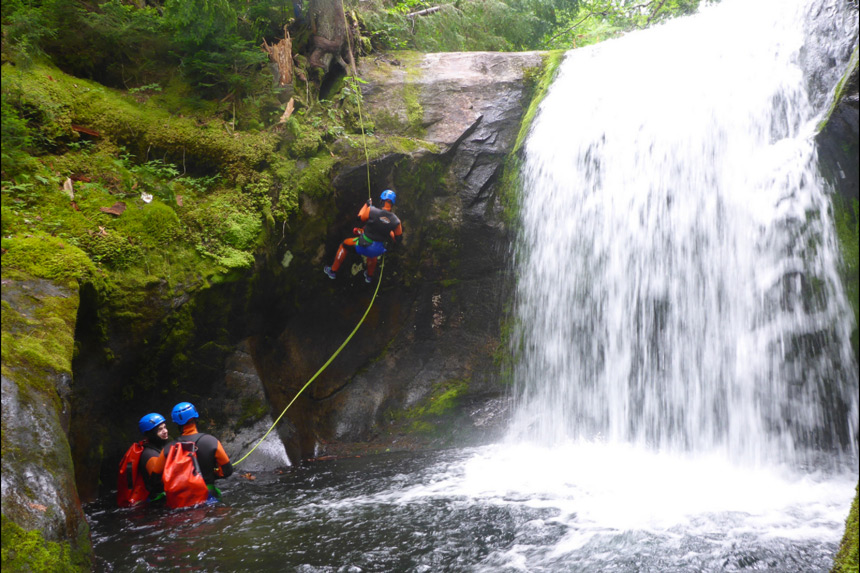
677 265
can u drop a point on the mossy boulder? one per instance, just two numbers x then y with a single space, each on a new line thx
43 523
65 104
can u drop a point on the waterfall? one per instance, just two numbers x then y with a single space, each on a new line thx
676 261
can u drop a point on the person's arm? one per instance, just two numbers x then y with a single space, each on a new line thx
155 465
224 468
152 477
396 233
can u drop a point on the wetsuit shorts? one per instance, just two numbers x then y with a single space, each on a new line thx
372 250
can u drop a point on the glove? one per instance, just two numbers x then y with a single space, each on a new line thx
357 231
369 202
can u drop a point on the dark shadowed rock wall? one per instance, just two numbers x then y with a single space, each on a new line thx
431 337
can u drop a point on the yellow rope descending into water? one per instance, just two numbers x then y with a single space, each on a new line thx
324 366
381 269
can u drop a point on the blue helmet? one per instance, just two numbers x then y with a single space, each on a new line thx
388 195
183 412
149 422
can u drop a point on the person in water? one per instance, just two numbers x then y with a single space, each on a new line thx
140 478
211 460
380 226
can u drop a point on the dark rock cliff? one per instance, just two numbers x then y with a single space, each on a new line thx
420 372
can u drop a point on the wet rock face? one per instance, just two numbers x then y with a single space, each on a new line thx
436 321
838 145
38 486
831 36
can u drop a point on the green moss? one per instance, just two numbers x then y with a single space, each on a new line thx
538 82
847 222
37 336
315 179
253 409
30 551
155 224
414 110
443 399
243 230
302 140
847 558
60 101
839 92
49 258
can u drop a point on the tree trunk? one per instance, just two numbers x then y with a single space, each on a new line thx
330 41
281 55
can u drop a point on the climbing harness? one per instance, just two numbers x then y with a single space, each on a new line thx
324 366
381 269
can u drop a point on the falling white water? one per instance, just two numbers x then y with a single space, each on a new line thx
677 282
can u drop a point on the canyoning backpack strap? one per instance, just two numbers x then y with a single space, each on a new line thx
130 486
184 485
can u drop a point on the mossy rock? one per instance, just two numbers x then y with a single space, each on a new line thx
847 558
63 101
29 551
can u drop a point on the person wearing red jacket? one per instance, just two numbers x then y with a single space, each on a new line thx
139 477
380 226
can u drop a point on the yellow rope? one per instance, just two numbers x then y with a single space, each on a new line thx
381 268
358 98
324 366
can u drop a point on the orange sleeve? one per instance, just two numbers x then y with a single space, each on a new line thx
156 465
397 232
221 458
364 214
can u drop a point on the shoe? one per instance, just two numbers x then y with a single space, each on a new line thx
367 278
331 274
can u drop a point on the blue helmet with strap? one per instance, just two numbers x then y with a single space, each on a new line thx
149 422
183 412
389 195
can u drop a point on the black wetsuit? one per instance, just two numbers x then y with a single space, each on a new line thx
153 481
380 224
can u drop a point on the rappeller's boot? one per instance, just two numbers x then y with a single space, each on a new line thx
371 270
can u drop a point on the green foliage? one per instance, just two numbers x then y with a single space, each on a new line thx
592 21
16 139
25 26
847 558
198 22
512 25
212 53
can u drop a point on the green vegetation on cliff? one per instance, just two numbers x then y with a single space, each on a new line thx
30 551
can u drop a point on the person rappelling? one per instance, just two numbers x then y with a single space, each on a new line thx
380 226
